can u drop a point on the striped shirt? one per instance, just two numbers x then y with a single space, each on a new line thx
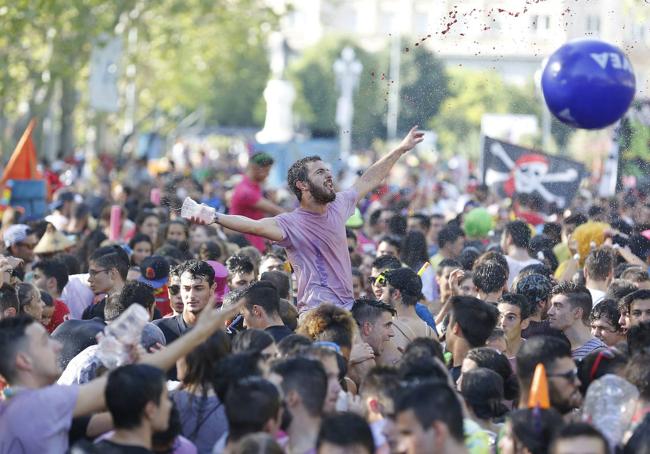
592 344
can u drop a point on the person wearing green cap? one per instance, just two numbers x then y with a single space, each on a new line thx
248 197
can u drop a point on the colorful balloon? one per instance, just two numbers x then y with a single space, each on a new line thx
588 83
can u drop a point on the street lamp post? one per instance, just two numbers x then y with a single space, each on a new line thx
546 115
347 70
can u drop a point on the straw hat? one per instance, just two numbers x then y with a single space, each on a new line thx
52 241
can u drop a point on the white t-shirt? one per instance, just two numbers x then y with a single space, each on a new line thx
77 295
516 266
596 296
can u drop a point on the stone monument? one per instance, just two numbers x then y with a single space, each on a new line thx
279 95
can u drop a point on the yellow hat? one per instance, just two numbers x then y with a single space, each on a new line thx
52 241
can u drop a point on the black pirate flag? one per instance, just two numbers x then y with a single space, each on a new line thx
509 169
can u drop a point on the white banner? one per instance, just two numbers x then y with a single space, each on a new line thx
104 73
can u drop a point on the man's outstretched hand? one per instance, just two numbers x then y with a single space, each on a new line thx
413 138
198 221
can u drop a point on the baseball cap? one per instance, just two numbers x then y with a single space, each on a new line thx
15 234
262 159
155 271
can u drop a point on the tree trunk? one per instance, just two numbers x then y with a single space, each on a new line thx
68 104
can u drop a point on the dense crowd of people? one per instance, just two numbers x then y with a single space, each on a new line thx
369 319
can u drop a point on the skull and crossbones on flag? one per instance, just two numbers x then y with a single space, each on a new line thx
509 170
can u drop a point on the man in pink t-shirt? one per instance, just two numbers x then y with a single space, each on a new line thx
248 198
314 233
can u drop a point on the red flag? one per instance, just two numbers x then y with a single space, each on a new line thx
22 164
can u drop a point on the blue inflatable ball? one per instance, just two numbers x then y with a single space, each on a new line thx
588 83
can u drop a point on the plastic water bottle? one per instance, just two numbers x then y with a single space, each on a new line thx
124 332
609 406
201 211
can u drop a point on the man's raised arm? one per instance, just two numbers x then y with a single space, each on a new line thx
91 395
266 227
377 172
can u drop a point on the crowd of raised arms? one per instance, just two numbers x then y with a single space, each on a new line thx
362 319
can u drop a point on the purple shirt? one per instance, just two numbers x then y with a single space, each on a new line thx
318 251
37 420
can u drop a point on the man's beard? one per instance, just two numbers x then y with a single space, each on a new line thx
320 194
563 407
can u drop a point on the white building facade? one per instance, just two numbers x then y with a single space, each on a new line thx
510 36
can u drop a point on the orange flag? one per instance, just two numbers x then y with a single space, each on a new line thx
22 164
539 389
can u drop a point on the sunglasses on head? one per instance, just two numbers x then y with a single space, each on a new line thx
174 289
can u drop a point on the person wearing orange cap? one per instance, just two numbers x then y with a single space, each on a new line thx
529 430
561 373
532 428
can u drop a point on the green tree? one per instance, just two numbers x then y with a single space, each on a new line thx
635 140
45 44
423 87
189 55
315 82
198 54
473 94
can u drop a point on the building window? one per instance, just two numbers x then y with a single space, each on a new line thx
540 23
593 24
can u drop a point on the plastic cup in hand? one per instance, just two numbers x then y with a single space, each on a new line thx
121 334
199 211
